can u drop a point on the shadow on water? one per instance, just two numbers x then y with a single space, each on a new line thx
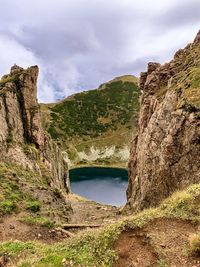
103 185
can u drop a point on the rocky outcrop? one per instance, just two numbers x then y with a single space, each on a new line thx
22 138
165 155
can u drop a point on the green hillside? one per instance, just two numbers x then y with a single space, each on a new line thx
100 118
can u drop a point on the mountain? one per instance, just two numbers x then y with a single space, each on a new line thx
96 126
166 151
35 200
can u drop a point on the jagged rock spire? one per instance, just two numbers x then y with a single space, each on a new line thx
15 69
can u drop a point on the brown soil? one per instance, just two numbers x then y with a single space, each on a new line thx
12 229
84 212
161 243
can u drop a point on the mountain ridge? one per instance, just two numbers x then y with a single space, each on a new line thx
94 123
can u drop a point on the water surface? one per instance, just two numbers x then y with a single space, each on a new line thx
103 185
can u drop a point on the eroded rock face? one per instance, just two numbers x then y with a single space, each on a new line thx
20 127
165 155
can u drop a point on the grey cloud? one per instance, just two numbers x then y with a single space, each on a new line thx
186 12
80 44
180 14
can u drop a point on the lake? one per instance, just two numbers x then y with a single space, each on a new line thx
103 185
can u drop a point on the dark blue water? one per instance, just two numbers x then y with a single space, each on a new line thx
103 185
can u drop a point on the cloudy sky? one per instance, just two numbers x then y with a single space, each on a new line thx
79 44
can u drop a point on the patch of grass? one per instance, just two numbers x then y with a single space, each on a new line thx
38 220
33 205
16 247
9 78
190 87
8 206
183 204
13 197
195 244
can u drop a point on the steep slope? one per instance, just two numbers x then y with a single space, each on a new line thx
165 155
96 126
21 126
33 172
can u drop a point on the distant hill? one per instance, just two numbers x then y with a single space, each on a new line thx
96 126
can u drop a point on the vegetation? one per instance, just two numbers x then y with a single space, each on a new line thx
100 117
10 193
9 78
95 248
8 206
38 220
195 244
94 112
33 205
24 193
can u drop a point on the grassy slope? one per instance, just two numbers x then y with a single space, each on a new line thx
187 78
24 193
95 248
100 118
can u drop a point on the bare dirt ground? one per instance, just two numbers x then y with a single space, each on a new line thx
84 212
11 228
161 243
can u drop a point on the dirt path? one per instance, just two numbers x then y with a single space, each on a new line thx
161 243
86 211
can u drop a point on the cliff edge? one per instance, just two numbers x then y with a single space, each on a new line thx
22 138
166 151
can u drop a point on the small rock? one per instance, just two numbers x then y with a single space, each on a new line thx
11 226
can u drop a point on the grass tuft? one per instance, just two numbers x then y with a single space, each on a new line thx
33 205
195 244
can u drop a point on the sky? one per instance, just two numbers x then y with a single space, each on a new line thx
79 44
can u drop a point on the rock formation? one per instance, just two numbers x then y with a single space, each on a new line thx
165 155
22 138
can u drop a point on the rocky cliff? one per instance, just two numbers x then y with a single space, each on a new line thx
165 155
22 138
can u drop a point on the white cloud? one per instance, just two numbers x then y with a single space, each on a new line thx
12 52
